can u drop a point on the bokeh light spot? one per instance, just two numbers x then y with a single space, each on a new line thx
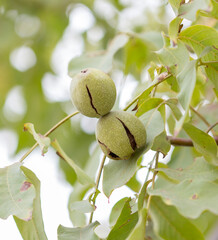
23 58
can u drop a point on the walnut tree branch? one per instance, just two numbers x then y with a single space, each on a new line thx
183 141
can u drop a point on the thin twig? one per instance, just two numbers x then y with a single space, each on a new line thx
211 127
96 186
200 116
49 132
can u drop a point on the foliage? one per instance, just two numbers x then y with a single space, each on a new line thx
173 62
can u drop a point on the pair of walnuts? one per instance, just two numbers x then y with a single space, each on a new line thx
118 133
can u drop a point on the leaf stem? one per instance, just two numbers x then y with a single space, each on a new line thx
206 63
96 186
211 127
153 181
49 132
160 80
202 118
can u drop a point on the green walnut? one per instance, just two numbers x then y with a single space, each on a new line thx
93 92
120 134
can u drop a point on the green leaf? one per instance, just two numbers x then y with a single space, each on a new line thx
175 5
172 81
78 218
186 80
145 94
154 125
171 123
16 193
203 143
181 158
172 103
137 55
142 194
210 111
214 12
82 206
191 198
125 223
216 92
161 144
147 105
125 168
100 60
169 224
97 60
173 57
134 184
205 223
82 177
174 28
150 233
44 142
152 69
85 233
116 210
152 37
138 231
200 170
190 10
198 37
33 229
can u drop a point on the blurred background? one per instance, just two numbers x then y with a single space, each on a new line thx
38 38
